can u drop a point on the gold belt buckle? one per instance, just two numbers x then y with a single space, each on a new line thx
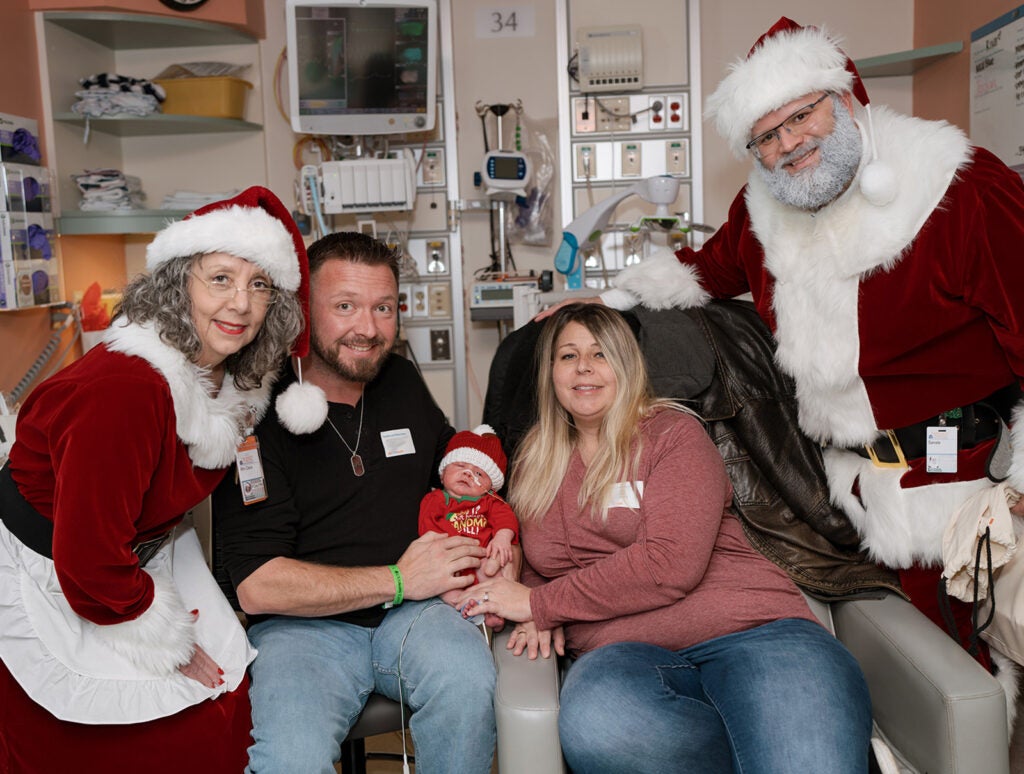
901 459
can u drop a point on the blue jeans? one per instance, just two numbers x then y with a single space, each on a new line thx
781 698
312 677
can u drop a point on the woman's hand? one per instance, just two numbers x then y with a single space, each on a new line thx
203 669
526 636
497 596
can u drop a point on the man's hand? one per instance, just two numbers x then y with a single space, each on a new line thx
430 563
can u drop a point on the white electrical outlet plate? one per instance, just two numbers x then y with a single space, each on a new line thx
675 112
631 165
613 114
677 157
656 114
432 167
584 115
586 161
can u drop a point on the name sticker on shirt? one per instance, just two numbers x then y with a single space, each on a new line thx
623 495
397 442
941 449
250 471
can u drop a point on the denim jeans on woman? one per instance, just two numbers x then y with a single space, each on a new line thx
312 677
781 698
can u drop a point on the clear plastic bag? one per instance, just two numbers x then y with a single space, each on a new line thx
530 219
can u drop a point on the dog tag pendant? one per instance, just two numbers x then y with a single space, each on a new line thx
357 465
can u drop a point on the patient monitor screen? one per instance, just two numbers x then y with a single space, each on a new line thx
362 60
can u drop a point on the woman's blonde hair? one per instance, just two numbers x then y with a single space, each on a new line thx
543 457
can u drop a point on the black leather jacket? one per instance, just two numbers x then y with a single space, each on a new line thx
720 360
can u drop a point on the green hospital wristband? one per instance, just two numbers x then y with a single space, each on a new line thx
399 587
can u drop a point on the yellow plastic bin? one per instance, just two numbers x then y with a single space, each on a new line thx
218 97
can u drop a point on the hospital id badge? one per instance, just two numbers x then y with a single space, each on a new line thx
941 449
250 471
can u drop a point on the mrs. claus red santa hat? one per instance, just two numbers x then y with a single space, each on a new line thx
787 62
256 226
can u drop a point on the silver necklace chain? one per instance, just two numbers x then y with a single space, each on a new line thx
355 460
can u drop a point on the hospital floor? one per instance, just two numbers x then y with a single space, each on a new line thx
391 743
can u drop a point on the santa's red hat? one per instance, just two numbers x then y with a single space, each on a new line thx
253 225
479 447
785 63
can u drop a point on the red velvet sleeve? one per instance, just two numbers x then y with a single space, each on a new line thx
106 441
990 235
721 260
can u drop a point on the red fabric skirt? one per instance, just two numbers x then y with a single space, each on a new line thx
207 738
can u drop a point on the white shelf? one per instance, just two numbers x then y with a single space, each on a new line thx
77 222
906 62
157 124
125 31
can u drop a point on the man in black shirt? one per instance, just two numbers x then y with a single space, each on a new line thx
340 592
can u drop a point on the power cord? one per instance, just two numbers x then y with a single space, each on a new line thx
401 698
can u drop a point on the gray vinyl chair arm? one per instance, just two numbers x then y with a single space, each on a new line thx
937 706
526 711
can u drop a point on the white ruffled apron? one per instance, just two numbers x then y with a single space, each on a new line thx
58 660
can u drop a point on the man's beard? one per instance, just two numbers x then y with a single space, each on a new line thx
839 157
363 371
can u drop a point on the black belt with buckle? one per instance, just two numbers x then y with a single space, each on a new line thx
977 422
36 531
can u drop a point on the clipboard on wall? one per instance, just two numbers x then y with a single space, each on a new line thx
997 88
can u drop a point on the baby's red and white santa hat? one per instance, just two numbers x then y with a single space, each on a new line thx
481 447
785 63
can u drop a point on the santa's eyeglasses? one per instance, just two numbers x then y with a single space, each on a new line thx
800 122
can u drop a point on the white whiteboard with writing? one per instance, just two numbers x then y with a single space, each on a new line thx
997 87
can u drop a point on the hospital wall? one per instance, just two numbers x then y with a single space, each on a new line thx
524 69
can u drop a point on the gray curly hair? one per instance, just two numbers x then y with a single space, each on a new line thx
162 298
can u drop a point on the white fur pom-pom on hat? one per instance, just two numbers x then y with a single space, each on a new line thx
302 408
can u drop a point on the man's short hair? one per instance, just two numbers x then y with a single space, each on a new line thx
354 247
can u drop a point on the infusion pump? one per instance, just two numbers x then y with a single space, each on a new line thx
496 294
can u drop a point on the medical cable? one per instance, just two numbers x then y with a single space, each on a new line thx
401 699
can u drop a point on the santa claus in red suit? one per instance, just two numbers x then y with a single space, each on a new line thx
118 651
884 252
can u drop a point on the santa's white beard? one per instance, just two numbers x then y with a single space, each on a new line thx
813 188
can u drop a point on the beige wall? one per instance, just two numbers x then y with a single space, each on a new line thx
495 71
943 90
730 27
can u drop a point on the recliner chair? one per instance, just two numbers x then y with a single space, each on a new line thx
938 710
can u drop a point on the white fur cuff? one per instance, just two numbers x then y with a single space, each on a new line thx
161 639
663 282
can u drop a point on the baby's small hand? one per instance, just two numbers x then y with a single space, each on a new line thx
500 547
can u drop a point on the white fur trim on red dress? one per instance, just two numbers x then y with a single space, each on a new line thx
898 526
211 428
784 67
162 638
817 277
1016 476
246 232
661 281
1007 674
